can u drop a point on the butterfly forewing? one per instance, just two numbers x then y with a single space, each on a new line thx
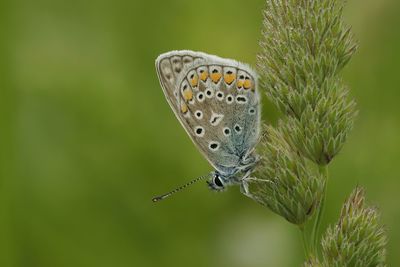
216 101
169 67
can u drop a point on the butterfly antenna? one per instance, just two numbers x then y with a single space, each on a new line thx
164 196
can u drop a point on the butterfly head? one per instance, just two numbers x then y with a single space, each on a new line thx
217 182
232 175
220 181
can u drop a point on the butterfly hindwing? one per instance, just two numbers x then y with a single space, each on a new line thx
216 101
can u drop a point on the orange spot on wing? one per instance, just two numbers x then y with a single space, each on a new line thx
187 94
229 78
247 84
204 76
215 77
184 107
240 83
194 81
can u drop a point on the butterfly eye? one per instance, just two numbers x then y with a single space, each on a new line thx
217 181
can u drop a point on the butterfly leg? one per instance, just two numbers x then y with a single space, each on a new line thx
249 163
244 187
258 180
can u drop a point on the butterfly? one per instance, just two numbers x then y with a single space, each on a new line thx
217 102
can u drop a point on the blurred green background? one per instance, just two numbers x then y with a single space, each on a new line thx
87 138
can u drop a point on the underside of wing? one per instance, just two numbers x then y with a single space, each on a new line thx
169 68
217 102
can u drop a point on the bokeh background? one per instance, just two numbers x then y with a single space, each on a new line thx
87 138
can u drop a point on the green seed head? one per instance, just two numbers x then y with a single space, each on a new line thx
304 45
282 180
358 239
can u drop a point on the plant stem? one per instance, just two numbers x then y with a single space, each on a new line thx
315 231
304 241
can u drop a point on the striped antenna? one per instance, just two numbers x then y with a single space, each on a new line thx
164 196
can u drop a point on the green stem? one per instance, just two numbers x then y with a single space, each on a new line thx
304 241
315 231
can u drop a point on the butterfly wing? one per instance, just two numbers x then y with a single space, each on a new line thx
169 68
217 102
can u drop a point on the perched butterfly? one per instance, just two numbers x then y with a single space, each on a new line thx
217 102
